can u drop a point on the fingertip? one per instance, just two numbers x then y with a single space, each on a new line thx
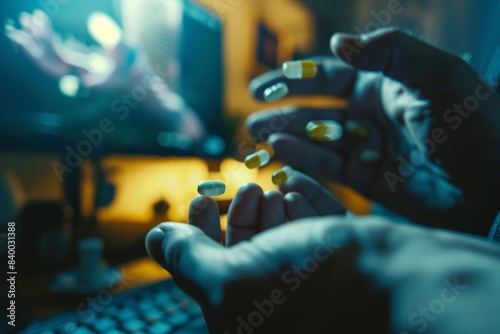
169 243
204 214
273 196
154 245
298 207
258 85
337 43
273 212
201 203
251 189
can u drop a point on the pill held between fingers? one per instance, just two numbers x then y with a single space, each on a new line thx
356 129
276 92
302 69
211 188
324 130
257 159
282 175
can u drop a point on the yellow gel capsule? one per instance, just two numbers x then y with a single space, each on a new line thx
258 159
302 69
282 175
211 188
356 129
324 130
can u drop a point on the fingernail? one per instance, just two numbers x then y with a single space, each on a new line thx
282 175
370 156
154 244
276 92
324 130
356 129
258 159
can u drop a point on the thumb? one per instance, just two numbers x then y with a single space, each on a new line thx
405 58
185 251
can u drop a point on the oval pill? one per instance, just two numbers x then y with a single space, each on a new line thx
258 159
276 92
211 188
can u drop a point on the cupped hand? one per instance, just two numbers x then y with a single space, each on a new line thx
253 211
335 274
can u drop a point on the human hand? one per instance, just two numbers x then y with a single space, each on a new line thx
252 211
421 159
37 39
326 274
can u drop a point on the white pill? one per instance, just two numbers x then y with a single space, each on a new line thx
211 188
276 92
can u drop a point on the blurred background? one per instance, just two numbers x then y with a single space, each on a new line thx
113 111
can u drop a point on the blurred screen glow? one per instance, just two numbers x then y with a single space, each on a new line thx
104 30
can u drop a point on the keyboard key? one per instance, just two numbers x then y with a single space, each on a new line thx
153 315
104 323
133 325
126 313
112 311
160 327
114 331
168 310
83 330
145 305
178 319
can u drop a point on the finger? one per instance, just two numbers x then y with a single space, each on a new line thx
26 22
291 120
272 210
42 22
204 214
308 156
298 207
244 213
187 253
328 69
315 194
405 58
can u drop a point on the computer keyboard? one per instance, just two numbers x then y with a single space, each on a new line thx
158 308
